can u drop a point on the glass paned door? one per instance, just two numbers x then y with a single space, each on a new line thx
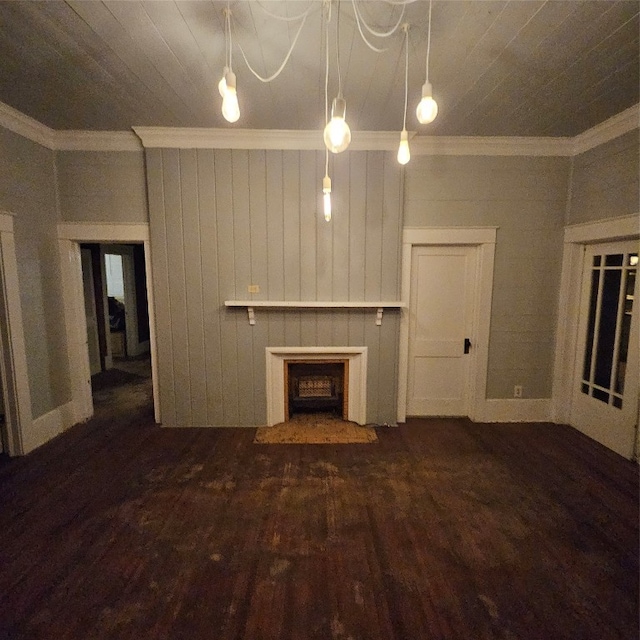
611 300
605 398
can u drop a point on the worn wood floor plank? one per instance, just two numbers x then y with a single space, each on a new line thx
444 529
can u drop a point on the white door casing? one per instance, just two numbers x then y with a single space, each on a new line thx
605 380
93 341
440 320
576 238
13 363
484 239
70 234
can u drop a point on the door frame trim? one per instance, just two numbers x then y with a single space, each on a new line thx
484 238
70 235
576 237
15 376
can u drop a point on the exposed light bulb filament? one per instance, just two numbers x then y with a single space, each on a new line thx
404 154
337 134
326 197
230 106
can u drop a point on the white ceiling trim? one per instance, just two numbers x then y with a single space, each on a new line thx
494 146
608 130
27 127
97 141
175 138
282 139
195 138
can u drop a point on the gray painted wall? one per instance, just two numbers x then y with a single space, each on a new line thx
28 189
102 186
222 220
525 198
605 181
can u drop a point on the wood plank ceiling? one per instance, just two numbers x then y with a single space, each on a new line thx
518 67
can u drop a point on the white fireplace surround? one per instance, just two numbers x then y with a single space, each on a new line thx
357 389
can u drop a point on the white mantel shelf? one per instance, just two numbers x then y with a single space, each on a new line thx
251 305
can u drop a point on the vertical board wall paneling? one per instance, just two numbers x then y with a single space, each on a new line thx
259 270
227 288
391 254
357 232
275 274
177 284
160 259
194 289
308 246
242 271
211 299
291 209
222 220
324 258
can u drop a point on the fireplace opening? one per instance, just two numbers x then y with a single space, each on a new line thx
316 387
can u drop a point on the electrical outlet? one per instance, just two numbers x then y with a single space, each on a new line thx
517 391
253 288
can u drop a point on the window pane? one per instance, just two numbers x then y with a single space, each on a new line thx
633 260
617 403
585 388
614 260
593 303
597 260
607 327
601 395
624 332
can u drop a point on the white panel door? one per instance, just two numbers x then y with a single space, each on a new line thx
441 318
605 385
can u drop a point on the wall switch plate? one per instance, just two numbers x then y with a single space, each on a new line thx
517 391
253 288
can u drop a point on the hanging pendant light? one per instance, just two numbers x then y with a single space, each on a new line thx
227 84
427 108
404 154
337 134
326 197
230 106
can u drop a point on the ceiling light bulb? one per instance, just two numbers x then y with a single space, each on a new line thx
337 134
326 197
230 107
427 109
404 155
222 85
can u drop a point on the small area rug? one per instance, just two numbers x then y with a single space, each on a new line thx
315 429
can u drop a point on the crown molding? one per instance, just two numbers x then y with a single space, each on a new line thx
97 141
25 126
176 138
490 146
608 130
281 139
202 138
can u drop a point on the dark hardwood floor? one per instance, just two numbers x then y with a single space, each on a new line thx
443 529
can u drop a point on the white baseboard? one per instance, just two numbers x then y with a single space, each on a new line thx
49 425
537 410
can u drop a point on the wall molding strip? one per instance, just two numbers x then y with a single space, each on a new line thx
97 141
210 138
608 130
